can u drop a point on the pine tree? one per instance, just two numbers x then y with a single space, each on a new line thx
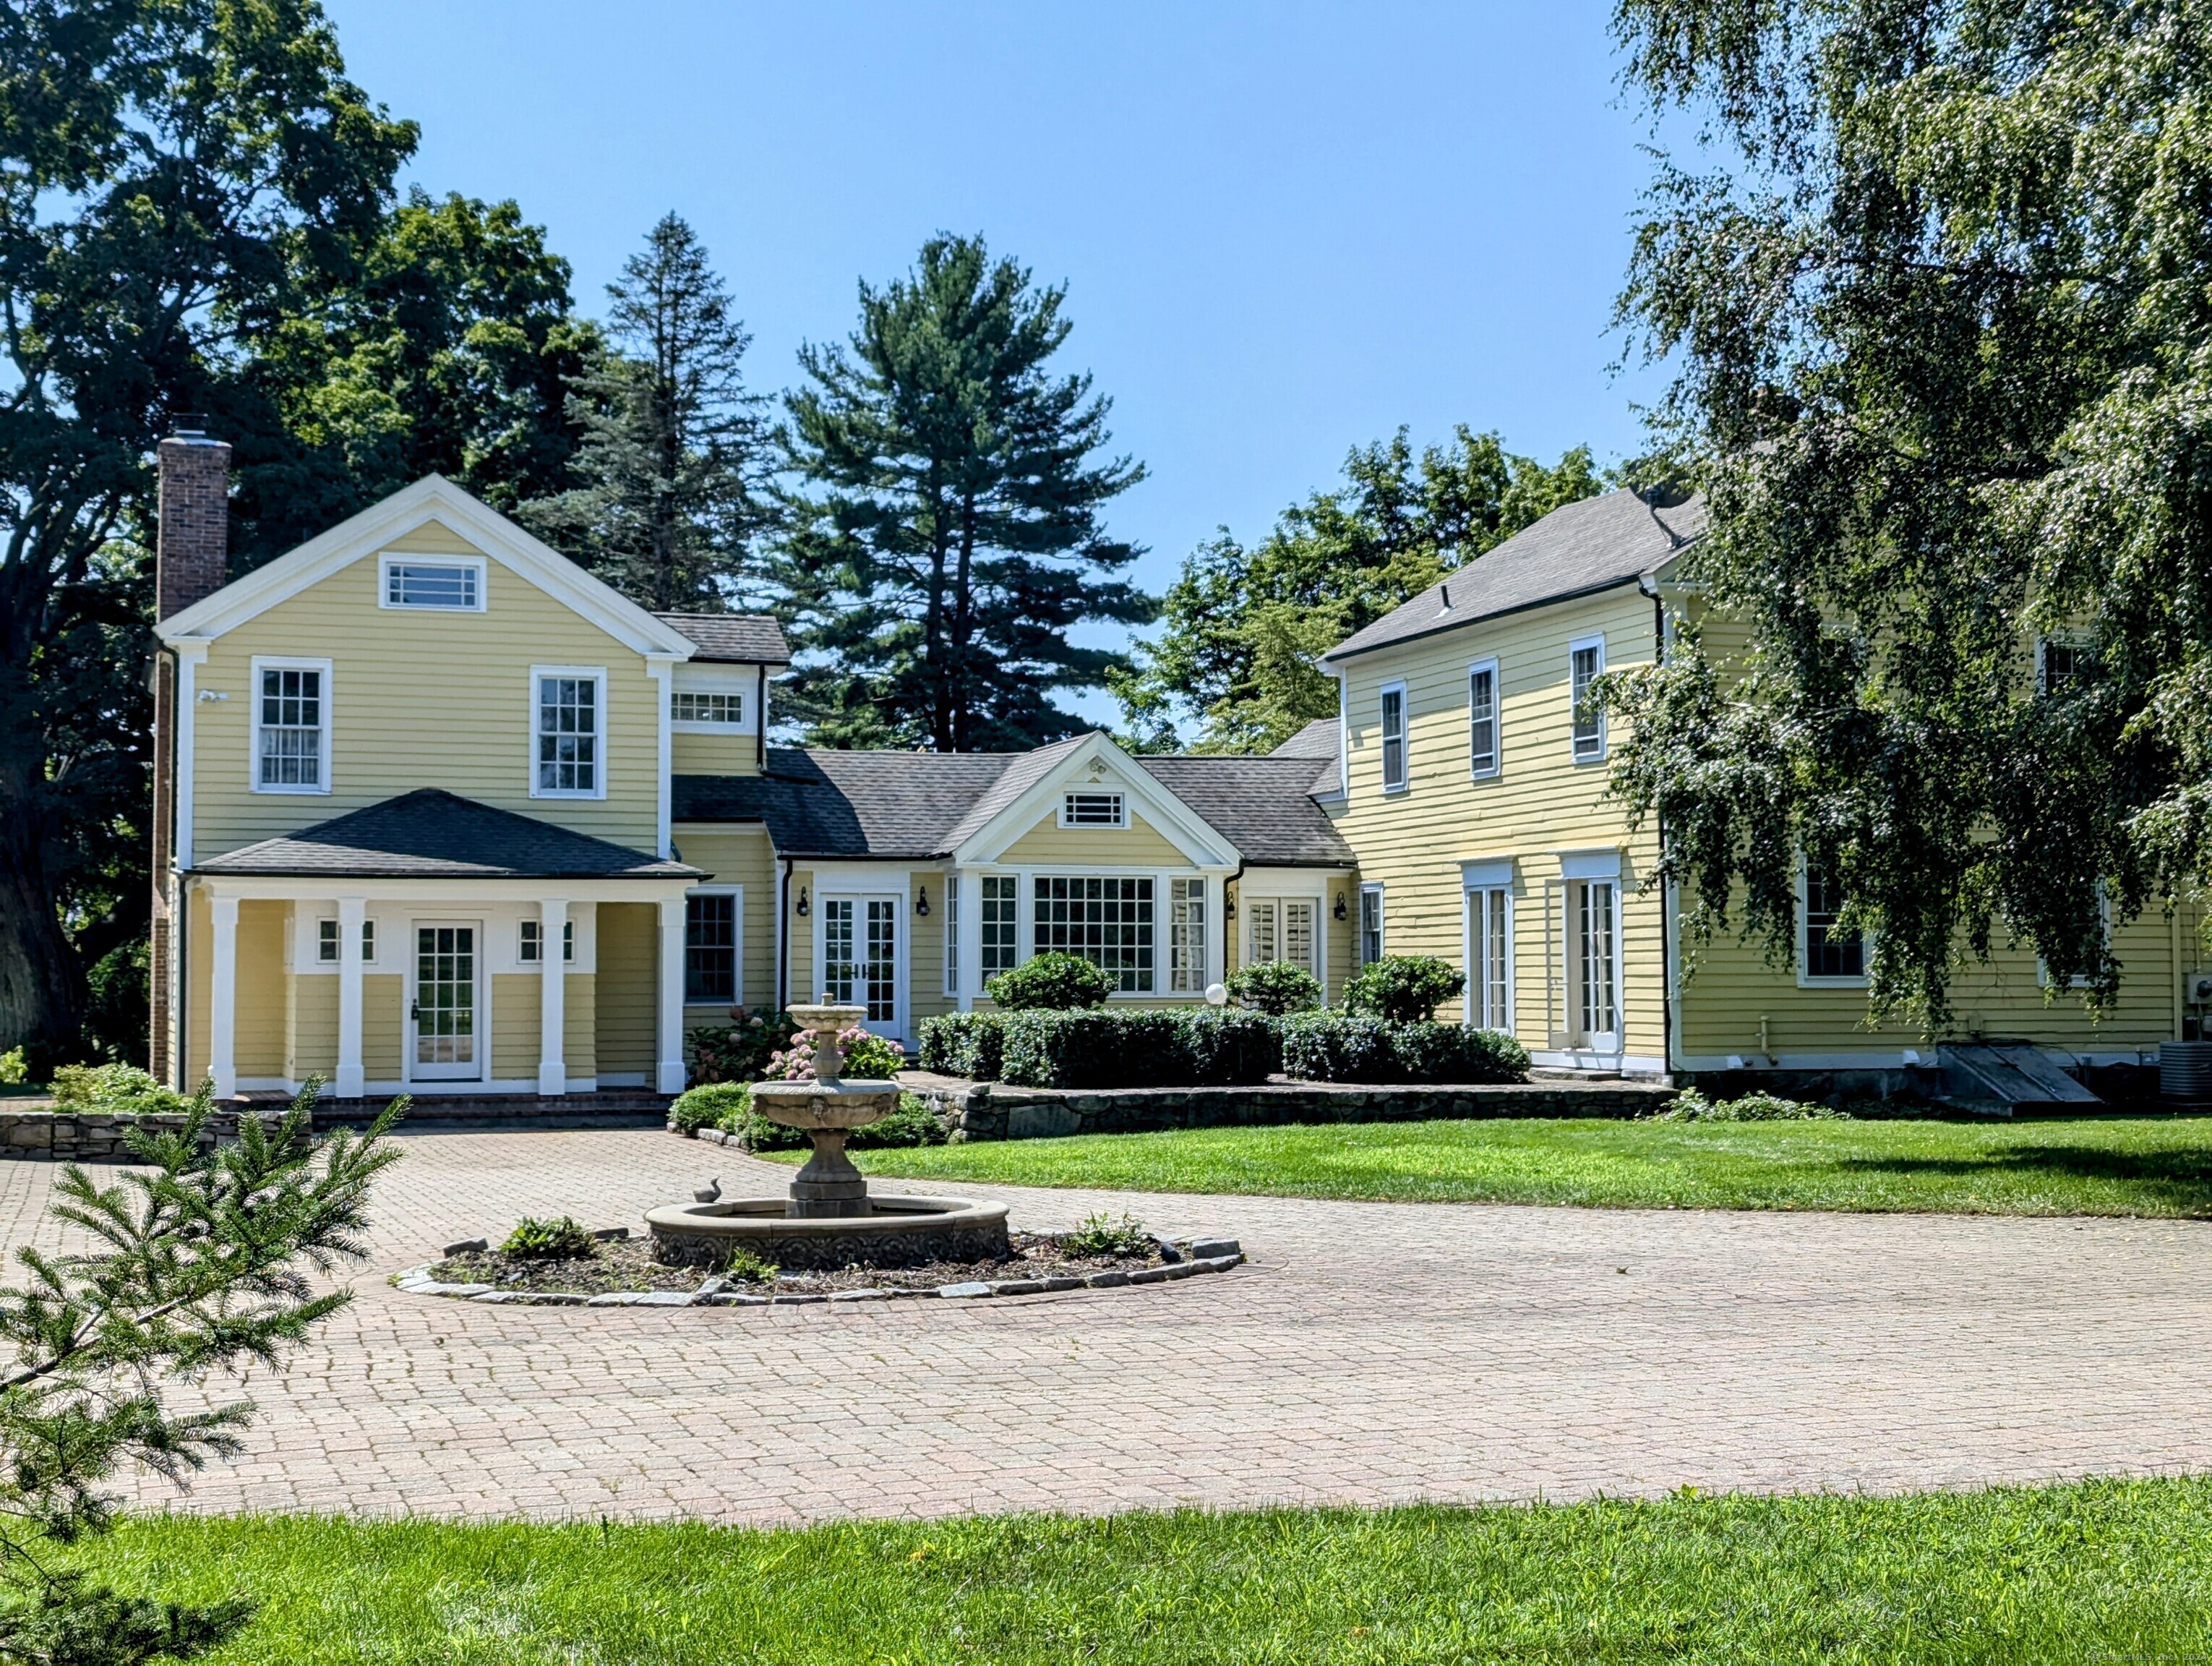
668 502
952 537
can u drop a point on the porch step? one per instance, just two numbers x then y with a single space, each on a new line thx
613 1107
2009 1079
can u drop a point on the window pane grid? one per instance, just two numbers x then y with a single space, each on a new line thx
1394 737
445 995
1594 946
430 584
1107 922
1187 936
710 948
724 708
291 728
1493 948
1589 731
568 734
1482 722
1370 924
1001 900
1093 810
1829 952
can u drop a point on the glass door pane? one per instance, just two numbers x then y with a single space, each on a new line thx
839 974
1264 943
880 970
445 1003
1595 1018
1298 937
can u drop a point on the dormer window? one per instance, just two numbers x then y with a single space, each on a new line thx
1094 810
450 583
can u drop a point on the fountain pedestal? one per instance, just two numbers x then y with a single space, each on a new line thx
829 1219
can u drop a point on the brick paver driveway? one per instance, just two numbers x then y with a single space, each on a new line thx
1372 1353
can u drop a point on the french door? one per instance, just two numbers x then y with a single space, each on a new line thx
446 1039
1490 958
1594 1003
859 956
1281 928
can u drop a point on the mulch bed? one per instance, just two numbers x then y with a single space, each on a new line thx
628 1265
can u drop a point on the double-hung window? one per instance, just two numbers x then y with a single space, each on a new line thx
951 933
1107 922
1832 955
1371 924
1186 937
326 941
710 947
530 945
1394 737
2059 664
1001 905
1585 665
1482 719
291 726
568 718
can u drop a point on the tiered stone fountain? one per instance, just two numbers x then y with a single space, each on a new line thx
830 1220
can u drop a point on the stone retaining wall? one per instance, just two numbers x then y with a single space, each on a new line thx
92 1136
992 1110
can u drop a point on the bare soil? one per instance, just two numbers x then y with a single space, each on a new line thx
629 1266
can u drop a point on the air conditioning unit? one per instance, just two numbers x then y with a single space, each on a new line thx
2199 989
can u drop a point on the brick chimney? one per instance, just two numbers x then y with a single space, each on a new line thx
192 548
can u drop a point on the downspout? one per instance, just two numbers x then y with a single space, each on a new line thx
760 719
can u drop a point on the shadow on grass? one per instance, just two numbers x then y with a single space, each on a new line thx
2181 1180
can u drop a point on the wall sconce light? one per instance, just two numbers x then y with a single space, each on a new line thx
1340 914
1228 905
802 902
921 901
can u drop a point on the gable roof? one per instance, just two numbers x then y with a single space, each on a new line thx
743 638
433 834
922 806
434 497
1579 548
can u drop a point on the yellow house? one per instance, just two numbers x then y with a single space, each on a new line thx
438 811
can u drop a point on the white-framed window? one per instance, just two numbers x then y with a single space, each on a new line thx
291 726
1585 665
449 584
1490 940
326 941
1108 920
2105 932
1001 923
1394 737
530 943
1826 954
1593 971
1094 810
1371 924
708 708
2059 663
951 933
1482 749
568 720
1187 937
713 924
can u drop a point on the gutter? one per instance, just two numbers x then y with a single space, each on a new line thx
783 940
760 719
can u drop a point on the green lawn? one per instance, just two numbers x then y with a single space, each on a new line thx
2104 1570
2112 1166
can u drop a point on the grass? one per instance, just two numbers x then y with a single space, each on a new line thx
2101 1571
2109 1167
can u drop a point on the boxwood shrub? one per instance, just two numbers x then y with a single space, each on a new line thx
1331 1047
1116 1047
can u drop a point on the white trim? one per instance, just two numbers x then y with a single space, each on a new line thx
948 899
1576 645
662 671
552 996
670 1028
1476 947
222 996
1624 1064
388 559
436 892
1121 808
1483 872
409 999
1598 864
1405 781
260 663
1497 720
353 915
1287 888
382 524
737 943
1375 889
601 761
1801 953
190 656
862 892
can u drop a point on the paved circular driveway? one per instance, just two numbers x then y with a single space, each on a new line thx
1372 1353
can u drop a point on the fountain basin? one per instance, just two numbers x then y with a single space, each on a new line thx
896 1231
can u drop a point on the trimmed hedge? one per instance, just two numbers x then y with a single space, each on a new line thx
1329 1047
1120 1047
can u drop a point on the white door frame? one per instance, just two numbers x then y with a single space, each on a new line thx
409 1071
902 949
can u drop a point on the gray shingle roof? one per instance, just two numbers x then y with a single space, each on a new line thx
921 805
734 638
1580 547
1263 804
1317 739
429 834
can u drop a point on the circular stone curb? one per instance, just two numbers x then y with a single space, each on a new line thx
1226 1254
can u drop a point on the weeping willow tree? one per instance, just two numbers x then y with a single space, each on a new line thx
1936 287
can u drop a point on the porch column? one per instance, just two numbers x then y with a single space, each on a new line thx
669 1077
353 912
552 996
971 937
1217 939
222 997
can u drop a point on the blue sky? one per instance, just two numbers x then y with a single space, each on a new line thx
1285 229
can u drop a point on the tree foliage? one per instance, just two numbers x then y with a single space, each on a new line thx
1943 316
948 534
1243 626
667 501
200 1262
